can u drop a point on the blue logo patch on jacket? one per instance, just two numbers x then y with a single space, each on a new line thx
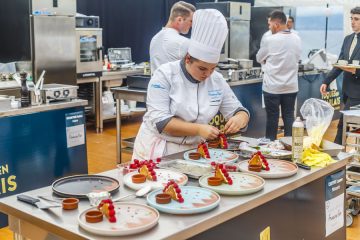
157 85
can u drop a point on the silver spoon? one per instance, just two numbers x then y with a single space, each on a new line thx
139 193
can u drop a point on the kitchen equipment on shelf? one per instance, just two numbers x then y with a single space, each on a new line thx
56 92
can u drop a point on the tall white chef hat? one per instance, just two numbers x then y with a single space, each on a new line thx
209 31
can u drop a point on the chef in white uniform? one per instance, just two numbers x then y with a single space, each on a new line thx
183 96
168 45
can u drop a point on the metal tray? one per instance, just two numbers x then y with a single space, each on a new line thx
80 185
192 169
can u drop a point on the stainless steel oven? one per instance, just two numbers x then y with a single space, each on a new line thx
89 58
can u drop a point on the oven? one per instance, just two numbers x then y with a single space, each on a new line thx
89 60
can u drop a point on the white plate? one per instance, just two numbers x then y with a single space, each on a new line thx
278 169
243 183
131 218
196 200
216 155
163 176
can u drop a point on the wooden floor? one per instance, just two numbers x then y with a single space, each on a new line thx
101 150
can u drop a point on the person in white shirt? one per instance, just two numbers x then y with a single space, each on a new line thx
168 45
279 55
183 96
290 24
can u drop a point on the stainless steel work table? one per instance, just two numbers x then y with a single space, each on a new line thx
113 78
28 221
43 107
124 93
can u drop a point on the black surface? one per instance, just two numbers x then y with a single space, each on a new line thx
138 81
80 185
15 31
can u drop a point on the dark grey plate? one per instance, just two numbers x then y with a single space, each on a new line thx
79 185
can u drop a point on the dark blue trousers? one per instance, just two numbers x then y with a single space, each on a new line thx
272 104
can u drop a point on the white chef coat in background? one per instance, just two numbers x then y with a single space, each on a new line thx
171 94
167 46
279 56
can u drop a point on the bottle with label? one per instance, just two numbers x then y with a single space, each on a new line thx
297 140
24 92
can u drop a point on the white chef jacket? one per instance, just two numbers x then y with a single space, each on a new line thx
280 54
167 46
172 94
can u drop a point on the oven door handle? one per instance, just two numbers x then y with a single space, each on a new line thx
99 52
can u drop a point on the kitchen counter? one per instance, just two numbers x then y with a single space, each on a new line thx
297 196
39 144
43 108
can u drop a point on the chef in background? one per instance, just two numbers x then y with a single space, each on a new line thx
168 45
183 96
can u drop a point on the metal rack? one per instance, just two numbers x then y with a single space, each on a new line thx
351 129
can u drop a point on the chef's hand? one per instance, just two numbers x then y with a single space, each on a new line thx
323 88
237 122
208 132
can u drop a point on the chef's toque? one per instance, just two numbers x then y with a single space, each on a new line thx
209 31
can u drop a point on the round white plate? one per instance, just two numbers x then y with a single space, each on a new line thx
163 176
216 155
196 200
131 218
243 183
278 169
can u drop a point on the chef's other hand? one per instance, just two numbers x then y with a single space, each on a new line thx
208 132
323 88
237 122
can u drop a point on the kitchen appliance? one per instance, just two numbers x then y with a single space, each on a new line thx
237 15
120 56
89 58
87 22
58 92
53 40
138 81
259 25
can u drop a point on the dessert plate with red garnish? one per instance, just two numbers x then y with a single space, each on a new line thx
162 177
195 200
131 218
216 155
241 184
277 169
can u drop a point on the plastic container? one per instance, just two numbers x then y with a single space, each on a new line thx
297 140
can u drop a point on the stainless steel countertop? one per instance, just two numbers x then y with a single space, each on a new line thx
64 223
123 72
258 80
44 107
8 84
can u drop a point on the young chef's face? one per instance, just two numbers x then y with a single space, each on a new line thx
355 22
198 69
186 24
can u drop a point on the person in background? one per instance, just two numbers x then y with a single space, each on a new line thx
267 33
168 45
183 96
279 55
290 24
350 51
